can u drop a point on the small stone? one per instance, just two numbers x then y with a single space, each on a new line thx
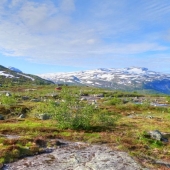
1 117
83 99
93 102
84 94
7 94
25 98
149 117
99 95
21 116
44 116
156 134
35 100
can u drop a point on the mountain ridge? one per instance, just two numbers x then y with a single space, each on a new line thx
126 79
14 69
14 76
131 78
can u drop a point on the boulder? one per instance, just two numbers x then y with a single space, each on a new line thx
25 98
157 135
78 156
44 116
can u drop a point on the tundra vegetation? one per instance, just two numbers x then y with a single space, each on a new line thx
31 116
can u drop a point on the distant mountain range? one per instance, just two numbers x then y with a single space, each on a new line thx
129 79
13 75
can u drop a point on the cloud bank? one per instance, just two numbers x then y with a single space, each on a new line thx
94 33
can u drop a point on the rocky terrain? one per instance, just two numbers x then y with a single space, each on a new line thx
77 156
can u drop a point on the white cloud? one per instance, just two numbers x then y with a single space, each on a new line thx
40 17
48 33
15 3
67 5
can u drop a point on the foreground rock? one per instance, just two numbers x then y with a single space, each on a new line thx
77 156
157 135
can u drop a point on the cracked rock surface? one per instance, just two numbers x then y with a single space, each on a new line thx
77 156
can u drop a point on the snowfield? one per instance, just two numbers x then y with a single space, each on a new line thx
6 75
114 78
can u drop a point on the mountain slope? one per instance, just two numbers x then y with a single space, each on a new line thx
15 76
133 78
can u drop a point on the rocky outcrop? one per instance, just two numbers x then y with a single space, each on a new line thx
77 156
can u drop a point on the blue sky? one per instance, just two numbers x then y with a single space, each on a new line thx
43 36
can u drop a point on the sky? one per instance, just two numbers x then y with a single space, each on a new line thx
45 36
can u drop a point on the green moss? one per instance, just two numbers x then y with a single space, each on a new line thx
67 134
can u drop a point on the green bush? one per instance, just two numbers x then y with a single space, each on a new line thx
75 114
114 101
72 113
8 100
168 99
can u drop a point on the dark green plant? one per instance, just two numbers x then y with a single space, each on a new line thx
72 113
168 99
75 114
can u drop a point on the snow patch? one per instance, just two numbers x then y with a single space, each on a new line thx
6 75
26 76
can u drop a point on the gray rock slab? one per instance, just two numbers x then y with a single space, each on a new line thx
77 156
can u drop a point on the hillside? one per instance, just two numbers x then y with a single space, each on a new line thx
128 79
12 76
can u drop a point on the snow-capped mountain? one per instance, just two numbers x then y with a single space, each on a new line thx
15 69
132 78
13 75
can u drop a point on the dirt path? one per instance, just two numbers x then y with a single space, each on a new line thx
77 156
